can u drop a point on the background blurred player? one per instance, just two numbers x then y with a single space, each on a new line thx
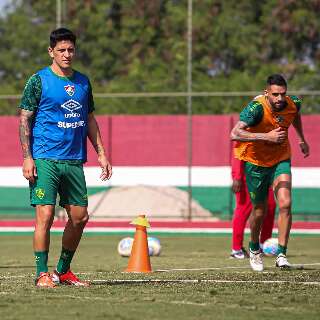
55 120
262 135
243 210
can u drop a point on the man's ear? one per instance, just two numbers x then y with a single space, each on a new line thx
50 51
265 92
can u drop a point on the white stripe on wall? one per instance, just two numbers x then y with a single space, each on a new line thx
164 176
159 230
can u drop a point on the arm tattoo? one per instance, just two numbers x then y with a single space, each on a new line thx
25 132
239 133
97 147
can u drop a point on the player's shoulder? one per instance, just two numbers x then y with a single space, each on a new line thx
44 71
33 81
254 105
252 113
31 93
296 100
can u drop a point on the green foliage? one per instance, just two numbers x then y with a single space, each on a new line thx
140 46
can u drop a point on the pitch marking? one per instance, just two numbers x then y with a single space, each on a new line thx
295 266
141 281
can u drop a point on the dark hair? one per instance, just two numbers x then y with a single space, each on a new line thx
277 79
60 35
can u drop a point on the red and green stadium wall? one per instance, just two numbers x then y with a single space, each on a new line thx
153 150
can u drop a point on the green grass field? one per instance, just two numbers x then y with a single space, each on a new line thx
220 289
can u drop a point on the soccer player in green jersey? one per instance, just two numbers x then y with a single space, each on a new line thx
56 118
263 144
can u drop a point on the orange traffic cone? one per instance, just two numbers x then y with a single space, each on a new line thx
139 260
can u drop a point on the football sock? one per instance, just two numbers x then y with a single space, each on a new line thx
254 246
282 249
41 258
65 260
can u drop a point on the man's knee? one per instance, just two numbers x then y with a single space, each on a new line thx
79 217
43 225
44 217
258 210
81 221
284 204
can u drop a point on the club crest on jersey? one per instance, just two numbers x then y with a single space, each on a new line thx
71 105
279 119
69 89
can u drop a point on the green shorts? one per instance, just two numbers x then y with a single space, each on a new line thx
259 179
57 177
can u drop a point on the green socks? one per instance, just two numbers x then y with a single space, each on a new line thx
41 258
254 246
63 266
65 260
282 249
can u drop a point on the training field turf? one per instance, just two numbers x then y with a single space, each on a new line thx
214 287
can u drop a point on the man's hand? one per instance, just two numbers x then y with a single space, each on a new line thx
236 186
29 169
106 168
277 135
304 147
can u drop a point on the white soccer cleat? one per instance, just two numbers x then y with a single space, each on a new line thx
282 262
256 260
239 254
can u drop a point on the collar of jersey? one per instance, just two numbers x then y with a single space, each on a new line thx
62 77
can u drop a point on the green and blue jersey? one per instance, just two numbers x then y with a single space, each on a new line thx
61 106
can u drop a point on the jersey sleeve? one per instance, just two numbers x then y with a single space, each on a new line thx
252 114
32 93
297 102
90 99
237 169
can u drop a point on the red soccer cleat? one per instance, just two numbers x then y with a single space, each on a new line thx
45 281
68 278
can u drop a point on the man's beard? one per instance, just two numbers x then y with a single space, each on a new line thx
279 106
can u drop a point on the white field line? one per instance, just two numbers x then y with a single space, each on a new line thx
210 268
128 281
174 269
141 281
185 302
82 297
12 277
202 269
295 266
